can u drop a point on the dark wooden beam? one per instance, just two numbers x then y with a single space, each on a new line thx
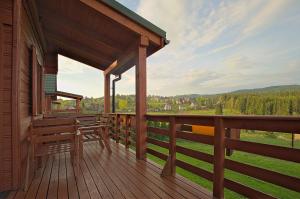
67 43
80 58
85 36
129 55
54 17
73 51
127 60
68 95
141 95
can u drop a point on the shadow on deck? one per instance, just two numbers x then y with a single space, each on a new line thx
118 175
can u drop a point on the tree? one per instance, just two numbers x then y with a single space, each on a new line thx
219 108
291 107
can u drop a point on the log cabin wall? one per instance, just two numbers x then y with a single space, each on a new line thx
6 8
30 56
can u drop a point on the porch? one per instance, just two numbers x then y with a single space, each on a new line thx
104 175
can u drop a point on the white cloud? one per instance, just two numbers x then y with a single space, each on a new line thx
70 66
266 16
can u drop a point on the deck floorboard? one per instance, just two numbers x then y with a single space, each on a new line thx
104 175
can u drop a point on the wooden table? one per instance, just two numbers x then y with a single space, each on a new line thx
96 132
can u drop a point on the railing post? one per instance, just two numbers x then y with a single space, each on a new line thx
219 158
127 124
117 130
170 166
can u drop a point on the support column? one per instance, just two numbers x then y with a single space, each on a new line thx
141 95
106 93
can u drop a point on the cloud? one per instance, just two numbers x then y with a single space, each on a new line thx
70 66
267 15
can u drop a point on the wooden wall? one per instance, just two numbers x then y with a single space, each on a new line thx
29 53
5 94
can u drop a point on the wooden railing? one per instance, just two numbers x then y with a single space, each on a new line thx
122 128
124 131
220 142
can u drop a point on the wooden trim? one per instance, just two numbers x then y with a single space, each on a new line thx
244 190
219 158
195 154
205 139
265 175
158 143
159 131
196 170
278 152
157 154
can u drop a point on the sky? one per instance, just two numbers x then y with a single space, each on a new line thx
216 46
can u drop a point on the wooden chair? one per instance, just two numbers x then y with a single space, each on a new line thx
53 136
93 130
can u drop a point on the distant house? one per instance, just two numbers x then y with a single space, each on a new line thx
193 106
167 107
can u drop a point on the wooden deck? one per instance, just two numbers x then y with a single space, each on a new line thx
118 175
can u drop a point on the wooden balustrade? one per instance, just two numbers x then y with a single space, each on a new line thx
220 142
122 128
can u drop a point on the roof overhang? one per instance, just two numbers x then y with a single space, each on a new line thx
98 33
65 94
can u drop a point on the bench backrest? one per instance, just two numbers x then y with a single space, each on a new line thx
49 130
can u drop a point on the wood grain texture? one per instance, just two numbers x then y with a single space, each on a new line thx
5 102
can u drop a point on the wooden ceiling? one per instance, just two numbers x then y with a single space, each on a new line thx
76 30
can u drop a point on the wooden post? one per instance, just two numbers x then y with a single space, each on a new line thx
293 140
77 105
141 94
118 127
219 158
170 166
127 126
48 104
106 93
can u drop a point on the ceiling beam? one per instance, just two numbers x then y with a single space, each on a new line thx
128 55
80 58
84 36
123 20
66 43
126 61
73 51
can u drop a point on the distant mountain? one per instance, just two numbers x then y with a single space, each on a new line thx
282 88
269 89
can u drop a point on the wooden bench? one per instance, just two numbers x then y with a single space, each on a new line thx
52 136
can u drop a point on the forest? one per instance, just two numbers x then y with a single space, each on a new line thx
276 100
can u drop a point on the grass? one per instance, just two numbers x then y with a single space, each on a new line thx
284 167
